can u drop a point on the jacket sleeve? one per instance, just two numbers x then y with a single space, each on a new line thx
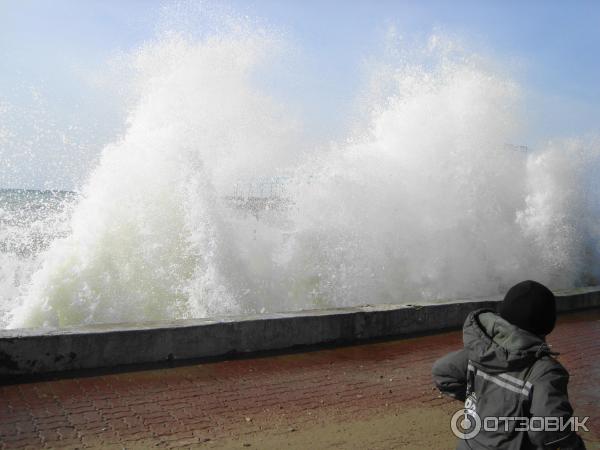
550 398
450 374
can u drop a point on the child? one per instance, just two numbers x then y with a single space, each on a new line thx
506 369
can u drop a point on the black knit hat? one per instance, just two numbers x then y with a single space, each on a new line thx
530 306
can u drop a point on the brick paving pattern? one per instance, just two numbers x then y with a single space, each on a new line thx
204 404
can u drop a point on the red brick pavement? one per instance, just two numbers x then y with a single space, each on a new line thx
211 402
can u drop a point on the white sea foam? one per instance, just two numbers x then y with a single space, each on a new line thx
424 201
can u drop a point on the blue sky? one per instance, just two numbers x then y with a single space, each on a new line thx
52 46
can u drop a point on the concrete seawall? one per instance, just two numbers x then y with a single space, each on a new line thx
35 351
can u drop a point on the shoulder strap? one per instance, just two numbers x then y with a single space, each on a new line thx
529 370
471 369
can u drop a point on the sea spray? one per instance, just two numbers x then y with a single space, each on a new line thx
29 222
561 216
426 200
149 240
423 205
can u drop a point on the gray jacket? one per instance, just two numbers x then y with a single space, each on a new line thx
504 371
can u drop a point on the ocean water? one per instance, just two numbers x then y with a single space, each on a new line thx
426 197
30 220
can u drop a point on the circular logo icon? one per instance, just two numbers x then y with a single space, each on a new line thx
465 424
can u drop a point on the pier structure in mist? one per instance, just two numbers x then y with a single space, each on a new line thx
260 194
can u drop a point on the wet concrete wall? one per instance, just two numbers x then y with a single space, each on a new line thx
34 351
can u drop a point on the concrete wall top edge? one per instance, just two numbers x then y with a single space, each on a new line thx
36 351
187 323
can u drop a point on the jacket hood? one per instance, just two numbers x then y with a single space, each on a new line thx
498 346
